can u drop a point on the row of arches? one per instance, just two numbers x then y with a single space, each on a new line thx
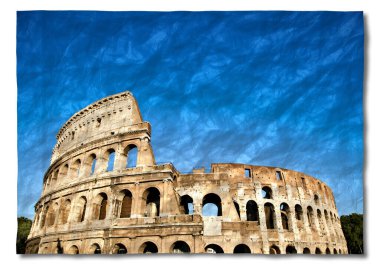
180 247
90 165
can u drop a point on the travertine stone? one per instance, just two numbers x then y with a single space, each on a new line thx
91 205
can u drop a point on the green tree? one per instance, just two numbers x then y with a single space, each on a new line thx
352 226
23 228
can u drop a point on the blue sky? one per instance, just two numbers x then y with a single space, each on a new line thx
265 88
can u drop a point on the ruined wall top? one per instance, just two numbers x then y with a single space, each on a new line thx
108 116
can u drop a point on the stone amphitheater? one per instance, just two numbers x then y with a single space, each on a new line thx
103 193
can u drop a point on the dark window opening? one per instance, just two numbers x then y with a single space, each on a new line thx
278 175
211 205
126 205
247 173
242 248
266 193
252 211
187 206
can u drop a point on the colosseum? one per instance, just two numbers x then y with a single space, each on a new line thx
103 193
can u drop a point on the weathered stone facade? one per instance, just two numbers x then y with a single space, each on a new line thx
95 201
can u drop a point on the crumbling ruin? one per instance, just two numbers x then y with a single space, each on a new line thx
97 199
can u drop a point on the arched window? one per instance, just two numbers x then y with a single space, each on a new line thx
285 216
213 249
151 197
211 205
75 169
320 220
95 249
266 193
80 210
252 211
126 204
63 172
237 208
180 247
316 199
43 216
111 159
318 251
269 215
187 205
291 250
51 215
54 178
119 249
242 248
310 216
73 250
299 213
66 207
274 250
131 153
100 206
148 247
92 160
306 251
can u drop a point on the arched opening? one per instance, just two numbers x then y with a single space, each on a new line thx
211 205
73 250
316 199
51 215
126 204
335 252
285 216
318 251
119 249
66 207
340 251
269 215
148 248
320 220
187 205
306 251
92 163
75 169
252 211
95 249
242 248
237 208
299 215
43 216
213 249
151 196
82 207
131 153
63 172
266 193
310 216
110 159
291 250
54 178
180 247
328 251
100 206
274 250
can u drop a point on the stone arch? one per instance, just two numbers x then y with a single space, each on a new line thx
131 154
54 177
151 202
335 252
299 215
285 216
75 168
63 171
340 251
242 248
43 216
291 250
320 220
126 204
270 216
211 199
95 249
180 247
100 206
119 249
316 199
65 212
214 249
110 157
318 251
73 250
252 211
187 204
80 209
310 217
306 251
266 193
51 214
148 247
274 250
91 164
237 208
328 251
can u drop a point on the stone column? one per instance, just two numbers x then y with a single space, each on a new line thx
136 202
